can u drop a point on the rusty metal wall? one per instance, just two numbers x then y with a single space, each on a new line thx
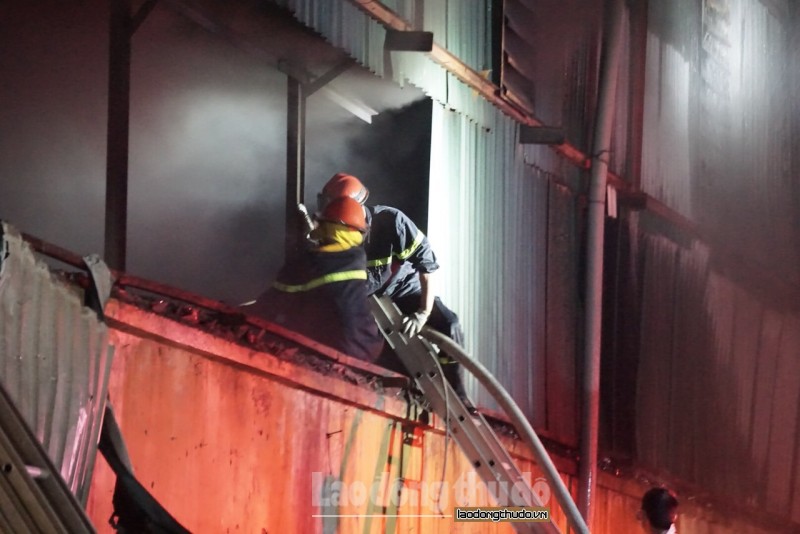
230 439
54 360
227 438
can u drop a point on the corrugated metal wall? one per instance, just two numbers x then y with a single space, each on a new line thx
719 370
54 360
461 27
551 62
719 379
718 127
506 238
349 28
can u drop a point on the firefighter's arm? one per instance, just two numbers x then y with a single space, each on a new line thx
427 293
413 323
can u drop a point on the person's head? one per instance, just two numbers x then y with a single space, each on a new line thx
659 508
341 221
342 185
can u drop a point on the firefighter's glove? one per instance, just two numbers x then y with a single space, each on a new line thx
413 323
306 220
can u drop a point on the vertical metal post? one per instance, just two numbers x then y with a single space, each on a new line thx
119 74
594 270
295 159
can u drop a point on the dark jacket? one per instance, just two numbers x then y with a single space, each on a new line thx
396 251
322 295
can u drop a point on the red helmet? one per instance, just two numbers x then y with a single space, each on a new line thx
345 185
346 211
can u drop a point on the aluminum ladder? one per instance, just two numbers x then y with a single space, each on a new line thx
471 432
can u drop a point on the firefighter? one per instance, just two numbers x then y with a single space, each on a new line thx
401 264
320 291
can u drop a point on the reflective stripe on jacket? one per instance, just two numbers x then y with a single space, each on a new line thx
323 295
360 274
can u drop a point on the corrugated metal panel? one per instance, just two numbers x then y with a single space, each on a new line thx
718 381
54 360
350 29
563 328
33 498
461 27
506 239
783 442
720 359
718 126
665 140
469 32
658 281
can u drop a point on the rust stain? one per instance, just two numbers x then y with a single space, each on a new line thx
261 400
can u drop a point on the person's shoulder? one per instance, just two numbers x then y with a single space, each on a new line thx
388 212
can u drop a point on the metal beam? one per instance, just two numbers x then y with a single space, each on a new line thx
334 72
119 73
408 41
541 135
295 160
